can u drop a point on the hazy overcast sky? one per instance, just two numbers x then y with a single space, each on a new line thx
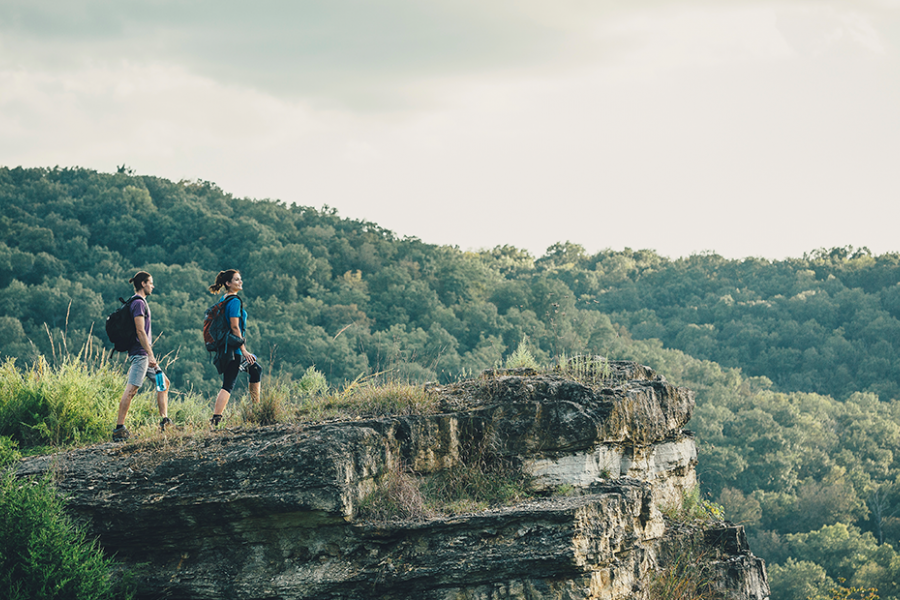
749 128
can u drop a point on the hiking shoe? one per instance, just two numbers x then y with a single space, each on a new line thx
166 421
120 434
214 422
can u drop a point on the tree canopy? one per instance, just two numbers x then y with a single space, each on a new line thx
795 362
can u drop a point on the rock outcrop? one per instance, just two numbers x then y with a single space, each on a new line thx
273 513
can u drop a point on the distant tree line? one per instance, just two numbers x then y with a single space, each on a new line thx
795 362
351 298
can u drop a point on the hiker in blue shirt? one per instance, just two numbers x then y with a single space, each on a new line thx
242 359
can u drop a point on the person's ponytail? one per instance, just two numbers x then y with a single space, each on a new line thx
223 278
139 279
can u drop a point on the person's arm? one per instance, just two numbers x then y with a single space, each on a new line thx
236 330
144 340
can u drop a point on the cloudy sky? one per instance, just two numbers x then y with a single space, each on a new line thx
749 128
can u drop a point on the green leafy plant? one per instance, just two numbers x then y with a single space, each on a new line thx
9 452
43 555
313 383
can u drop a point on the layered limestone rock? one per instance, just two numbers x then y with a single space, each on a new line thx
273 513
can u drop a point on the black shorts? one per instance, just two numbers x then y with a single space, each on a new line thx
232 370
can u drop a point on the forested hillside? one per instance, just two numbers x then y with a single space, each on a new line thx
797 428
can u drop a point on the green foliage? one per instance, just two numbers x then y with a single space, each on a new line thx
522 358
351 298
313 383
68 404
694 508
9 452
799 580
75 403
794 363
43 555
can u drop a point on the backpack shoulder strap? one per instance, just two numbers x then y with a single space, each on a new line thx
135 298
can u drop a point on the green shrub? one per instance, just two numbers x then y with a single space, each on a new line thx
73 403
43 555
398 496
522 358
313 383
9 452
694 508
683 577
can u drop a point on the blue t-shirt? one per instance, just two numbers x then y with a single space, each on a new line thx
234 309
140 308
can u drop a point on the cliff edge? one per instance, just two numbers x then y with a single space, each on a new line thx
273 513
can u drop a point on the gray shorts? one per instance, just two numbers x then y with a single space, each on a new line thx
140 369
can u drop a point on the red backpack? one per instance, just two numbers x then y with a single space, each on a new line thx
216 326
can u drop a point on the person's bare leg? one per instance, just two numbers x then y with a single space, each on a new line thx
125 402
221 402
254 392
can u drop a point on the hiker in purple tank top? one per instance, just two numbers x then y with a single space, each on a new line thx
143 364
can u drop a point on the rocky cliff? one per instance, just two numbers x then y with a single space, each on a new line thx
274 512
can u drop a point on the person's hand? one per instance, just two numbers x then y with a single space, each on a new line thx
251 358
152 362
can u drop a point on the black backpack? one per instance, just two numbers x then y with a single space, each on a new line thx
216 327
120 326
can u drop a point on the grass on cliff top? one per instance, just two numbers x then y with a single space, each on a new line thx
311 401
73 400
45 407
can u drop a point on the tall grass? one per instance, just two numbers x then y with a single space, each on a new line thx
483 478
73 403
398 496
684 577
587 369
